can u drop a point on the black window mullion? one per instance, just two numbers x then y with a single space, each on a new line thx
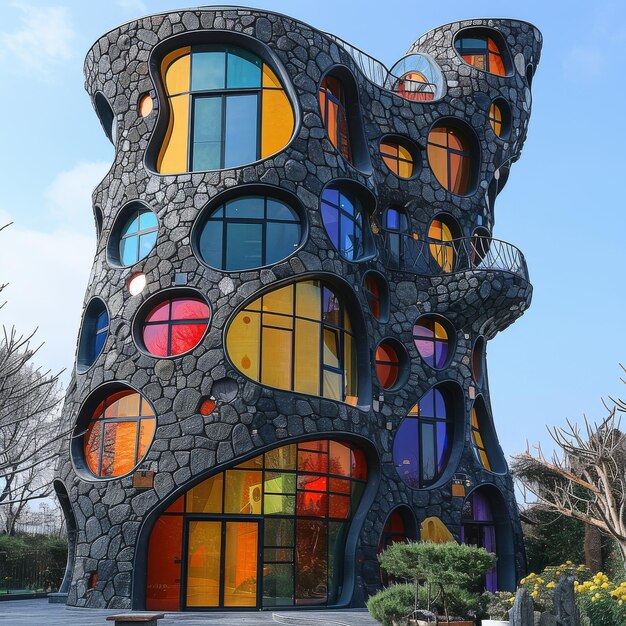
223 132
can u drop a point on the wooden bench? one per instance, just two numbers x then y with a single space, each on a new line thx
130 619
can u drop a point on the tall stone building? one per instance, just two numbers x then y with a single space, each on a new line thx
281 364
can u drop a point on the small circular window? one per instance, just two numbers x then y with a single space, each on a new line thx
398 157
175 326
248 232
452 156
434 340
119 433
136 237
391 361
500 118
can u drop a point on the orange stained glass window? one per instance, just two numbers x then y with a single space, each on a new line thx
482 52
387 364
119 434
443 249
495 118
306 494
373 293
415 86
227 108
478 444
397 158
450 158
298 338
333 108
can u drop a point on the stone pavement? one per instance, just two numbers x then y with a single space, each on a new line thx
40 613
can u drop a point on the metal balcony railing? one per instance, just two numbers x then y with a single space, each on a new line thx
434 257
377 73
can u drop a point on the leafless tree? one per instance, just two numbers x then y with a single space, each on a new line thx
585 478
29 425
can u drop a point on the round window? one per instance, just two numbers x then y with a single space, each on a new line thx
388 364
434 340
398 157
175 326
137 236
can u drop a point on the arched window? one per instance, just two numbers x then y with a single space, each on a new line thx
302 495
118 434
415 86
481 51
397 157
175 326
389 363
333 108
480 451
345 222
500 118
137 236
297 338
227 108
93 335
434 340
421 448
478 528
395 230
441 230
249 232
377 294
450 155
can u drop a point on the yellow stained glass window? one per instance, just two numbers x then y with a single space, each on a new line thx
297 338
397 158
450 158
495 118
477 442
443 252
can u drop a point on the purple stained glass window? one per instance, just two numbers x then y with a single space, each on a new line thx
433 341
421 448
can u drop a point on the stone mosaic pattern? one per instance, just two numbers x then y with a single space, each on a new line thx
112 518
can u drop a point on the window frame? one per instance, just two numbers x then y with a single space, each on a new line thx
340 102
449 342
487 35
135 212
469 155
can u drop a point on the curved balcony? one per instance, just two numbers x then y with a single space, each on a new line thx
414 77
434 257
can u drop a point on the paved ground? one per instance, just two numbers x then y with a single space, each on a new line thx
40 613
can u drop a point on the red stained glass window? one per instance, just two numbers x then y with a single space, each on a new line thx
387 364
119 434
175 326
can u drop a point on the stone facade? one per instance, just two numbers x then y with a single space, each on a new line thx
110 520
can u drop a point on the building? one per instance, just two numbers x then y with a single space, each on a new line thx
281 364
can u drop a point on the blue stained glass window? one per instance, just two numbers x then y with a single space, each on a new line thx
244 69
343 219
208 70
94 332
421 448
138 236
241 137
248 232
102 329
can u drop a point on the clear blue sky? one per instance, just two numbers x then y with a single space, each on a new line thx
563 205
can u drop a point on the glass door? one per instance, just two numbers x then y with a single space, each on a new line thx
222 558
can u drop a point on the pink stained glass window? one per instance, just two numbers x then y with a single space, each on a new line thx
175 326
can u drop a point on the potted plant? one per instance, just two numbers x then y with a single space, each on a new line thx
443 578
497 606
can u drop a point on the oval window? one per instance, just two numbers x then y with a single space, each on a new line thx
93 334
452 156
333 108
422 445
398 157
434 341
175 326
442 232
391 363
299 338
377 294
119 433
478 360
227 108
500 118
249 232
481 50
137 235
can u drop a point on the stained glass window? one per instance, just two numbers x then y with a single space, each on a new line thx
482 52
344 221
397 158
333 107
248 232
138 236
298 338
450 158
174 326
422 444
94 332
305 493
227 108
478 444
375 289
119 434
478 357
387 364
432 341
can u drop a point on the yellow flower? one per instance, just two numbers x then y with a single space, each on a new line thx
550 585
